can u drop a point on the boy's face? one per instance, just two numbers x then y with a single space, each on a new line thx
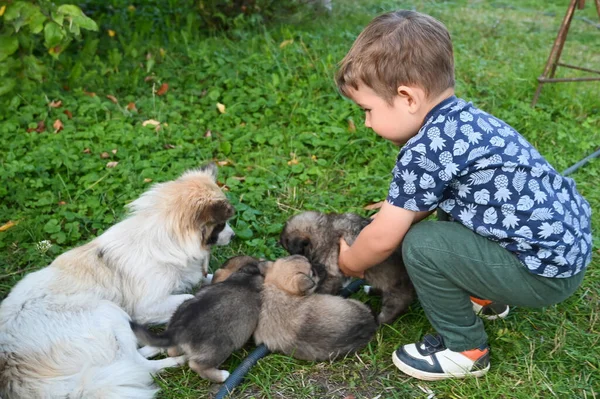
397 123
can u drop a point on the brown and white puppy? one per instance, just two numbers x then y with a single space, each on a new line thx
316 235
64 330
295 321
219 320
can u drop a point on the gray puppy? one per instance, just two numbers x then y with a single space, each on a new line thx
219 320
316 235
295 321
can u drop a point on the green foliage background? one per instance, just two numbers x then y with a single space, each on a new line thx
287 143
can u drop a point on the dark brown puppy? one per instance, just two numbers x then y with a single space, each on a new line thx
316 235
219 320
295 321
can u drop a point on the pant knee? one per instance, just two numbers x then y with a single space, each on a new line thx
415 243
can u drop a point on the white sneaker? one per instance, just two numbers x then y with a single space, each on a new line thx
430 360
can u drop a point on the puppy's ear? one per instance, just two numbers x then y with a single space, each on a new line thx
220 275
320 271
299 246
264 266
216 212
210 169
303 284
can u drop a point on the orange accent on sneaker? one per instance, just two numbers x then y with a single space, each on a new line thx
481 302
474 354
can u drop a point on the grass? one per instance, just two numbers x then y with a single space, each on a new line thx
286 143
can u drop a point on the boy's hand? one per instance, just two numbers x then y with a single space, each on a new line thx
344 247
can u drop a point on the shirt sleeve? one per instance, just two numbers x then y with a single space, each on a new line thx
423 171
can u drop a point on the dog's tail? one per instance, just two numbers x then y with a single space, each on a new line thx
146 337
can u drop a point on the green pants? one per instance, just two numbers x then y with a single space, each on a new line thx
447 263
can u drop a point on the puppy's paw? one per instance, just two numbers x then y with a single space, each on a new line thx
222 375
174 351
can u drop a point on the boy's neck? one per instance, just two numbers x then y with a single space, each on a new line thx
430 104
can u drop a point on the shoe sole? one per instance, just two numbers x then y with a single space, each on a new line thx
477 309
423 375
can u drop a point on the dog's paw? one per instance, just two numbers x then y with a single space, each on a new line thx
223 375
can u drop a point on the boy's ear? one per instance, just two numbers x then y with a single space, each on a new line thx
412 96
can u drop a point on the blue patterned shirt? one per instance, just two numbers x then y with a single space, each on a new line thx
485 175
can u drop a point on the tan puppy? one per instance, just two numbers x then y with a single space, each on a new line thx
295 321
64 330
316 235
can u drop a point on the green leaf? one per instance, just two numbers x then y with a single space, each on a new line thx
85 22
53 34
58 17
8 45
150 64
36 22
34 69
52 226
74 29
6 85
225 147
244 234
70 9
59 237
13 11
214 95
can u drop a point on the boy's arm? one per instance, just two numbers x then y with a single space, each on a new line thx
418 215
422 215
377 241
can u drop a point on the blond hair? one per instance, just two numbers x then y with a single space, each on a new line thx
399 48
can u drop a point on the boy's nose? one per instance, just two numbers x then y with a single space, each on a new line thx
367 121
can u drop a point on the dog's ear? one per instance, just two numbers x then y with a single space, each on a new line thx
216 212
303 284
210 169
299 246
263 266
220 275
320 271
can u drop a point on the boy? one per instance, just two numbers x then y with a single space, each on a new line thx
521 232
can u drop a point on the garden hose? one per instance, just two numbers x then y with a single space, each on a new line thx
261 351
579 164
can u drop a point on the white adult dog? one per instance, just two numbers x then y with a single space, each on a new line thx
64 330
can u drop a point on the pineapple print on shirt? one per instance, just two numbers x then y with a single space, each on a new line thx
489 178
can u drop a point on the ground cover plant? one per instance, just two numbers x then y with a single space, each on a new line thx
152 94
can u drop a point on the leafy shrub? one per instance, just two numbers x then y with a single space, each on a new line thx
223 14
24 23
